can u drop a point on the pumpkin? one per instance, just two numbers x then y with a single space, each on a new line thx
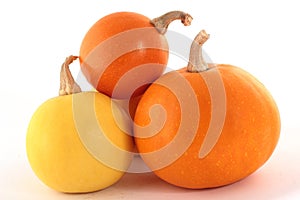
78 142
125 51
206 125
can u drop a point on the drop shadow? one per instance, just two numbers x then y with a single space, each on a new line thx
275 180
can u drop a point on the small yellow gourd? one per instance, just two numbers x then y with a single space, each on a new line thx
78 142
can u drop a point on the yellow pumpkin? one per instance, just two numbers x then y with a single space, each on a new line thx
78 143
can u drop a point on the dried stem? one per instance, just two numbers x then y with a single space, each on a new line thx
67 83
196 61
162 22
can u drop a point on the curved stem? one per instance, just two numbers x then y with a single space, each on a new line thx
196 61
67 83
162 22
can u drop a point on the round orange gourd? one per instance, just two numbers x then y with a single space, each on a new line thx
123 52
206 125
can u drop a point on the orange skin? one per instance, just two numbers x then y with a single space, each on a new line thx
120 43
249 135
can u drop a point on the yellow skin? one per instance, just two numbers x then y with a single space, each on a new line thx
79 143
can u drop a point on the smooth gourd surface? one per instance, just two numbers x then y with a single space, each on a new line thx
248 137
57 153
121 53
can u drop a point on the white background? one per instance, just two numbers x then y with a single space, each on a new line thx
261 37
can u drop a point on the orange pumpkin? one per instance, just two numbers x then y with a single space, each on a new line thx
123 52
206 125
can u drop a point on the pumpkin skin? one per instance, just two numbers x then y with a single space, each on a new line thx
123 52
64 148
249 134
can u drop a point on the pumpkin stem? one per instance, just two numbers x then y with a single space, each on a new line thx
196 61
161 23
67 83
